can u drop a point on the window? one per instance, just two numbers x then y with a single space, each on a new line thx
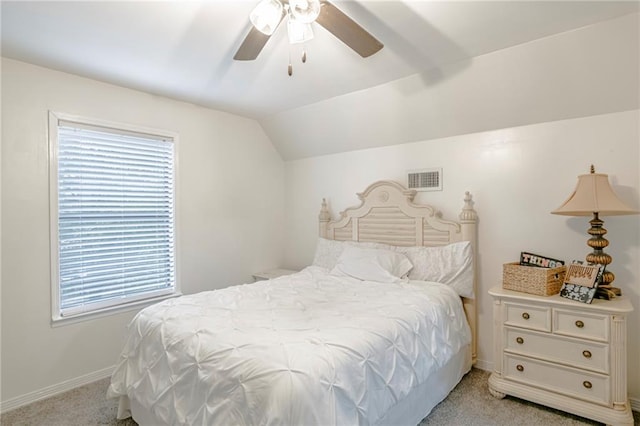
112 215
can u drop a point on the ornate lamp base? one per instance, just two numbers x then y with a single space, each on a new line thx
597 242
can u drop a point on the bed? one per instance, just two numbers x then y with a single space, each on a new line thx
326 345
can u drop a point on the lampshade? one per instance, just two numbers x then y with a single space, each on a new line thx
593 194
266 16
305 11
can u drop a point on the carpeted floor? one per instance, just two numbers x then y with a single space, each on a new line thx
468 404
471 404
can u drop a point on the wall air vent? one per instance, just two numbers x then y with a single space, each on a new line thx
425 179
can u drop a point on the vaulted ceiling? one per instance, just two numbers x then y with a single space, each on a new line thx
184 50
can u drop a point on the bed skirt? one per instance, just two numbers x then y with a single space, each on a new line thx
408 411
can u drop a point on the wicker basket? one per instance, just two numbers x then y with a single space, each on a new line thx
531 279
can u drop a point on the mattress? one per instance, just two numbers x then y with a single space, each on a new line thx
307 348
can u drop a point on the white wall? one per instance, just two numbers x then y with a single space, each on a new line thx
230 208
517 176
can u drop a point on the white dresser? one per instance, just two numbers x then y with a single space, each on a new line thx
561 353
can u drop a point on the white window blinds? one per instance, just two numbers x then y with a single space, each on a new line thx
115 217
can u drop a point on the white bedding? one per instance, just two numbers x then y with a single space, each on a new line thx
308 348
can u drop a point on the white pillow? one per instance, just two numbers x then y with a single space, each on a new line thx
451 264
328 251
370 264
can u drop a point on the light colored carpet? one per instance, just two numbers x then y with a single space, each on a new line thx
468 404
471 404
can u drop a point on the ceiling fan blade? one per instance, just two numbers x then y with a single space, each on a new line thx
254 42
251 46
347 30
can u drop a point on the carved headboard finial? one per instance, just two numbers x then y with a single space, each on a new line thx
324 215
324 219
468 214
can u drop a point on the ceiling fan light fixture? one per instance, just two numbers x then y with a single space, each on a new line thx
266 16
305 11
298 32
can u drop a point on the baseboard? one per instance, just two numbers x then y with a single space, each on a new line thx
484 365
56 389
635 404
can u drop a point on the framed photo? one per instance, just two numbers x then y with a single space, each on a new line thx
581 281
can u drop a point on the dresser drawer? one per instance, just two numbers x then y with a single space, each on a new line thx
575 383
527 316
572 352
580 324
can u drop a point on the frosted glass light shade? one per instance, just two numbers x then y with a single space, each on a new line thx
266 16
593 194
306 11
298 32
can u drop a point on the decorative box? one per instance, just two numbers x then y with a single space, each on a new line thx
531 279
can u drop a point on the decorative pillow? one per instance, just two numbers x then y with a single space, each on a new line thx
451 264
328 251
370 264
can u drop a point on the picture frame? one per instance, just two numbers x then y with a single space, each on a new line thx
581 281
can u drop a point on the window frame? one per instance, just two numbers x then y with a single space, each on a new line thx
111 308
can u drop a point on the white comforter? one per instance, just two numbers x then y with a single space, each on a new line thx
308 348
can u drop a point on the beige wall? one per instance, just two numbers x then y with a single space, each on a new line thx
229 211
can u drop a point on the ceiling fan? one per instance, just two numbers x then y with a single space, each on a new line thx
268 14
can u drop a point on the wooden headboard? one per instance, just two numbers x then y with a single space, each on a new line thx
387 214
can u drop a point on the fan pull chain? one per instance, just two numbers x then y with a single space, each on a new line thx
290 66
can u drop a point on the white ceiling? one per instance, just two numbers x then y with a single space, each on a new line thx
184 49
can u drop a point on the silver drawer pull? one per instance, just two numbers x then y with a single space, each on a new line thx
525 315
587 384
520 340
521 368
579 324
586 354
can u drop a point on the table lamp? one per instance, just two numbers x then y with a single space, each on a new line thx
594 196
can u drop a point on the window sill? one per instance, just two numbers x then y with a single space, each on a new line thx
58 321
